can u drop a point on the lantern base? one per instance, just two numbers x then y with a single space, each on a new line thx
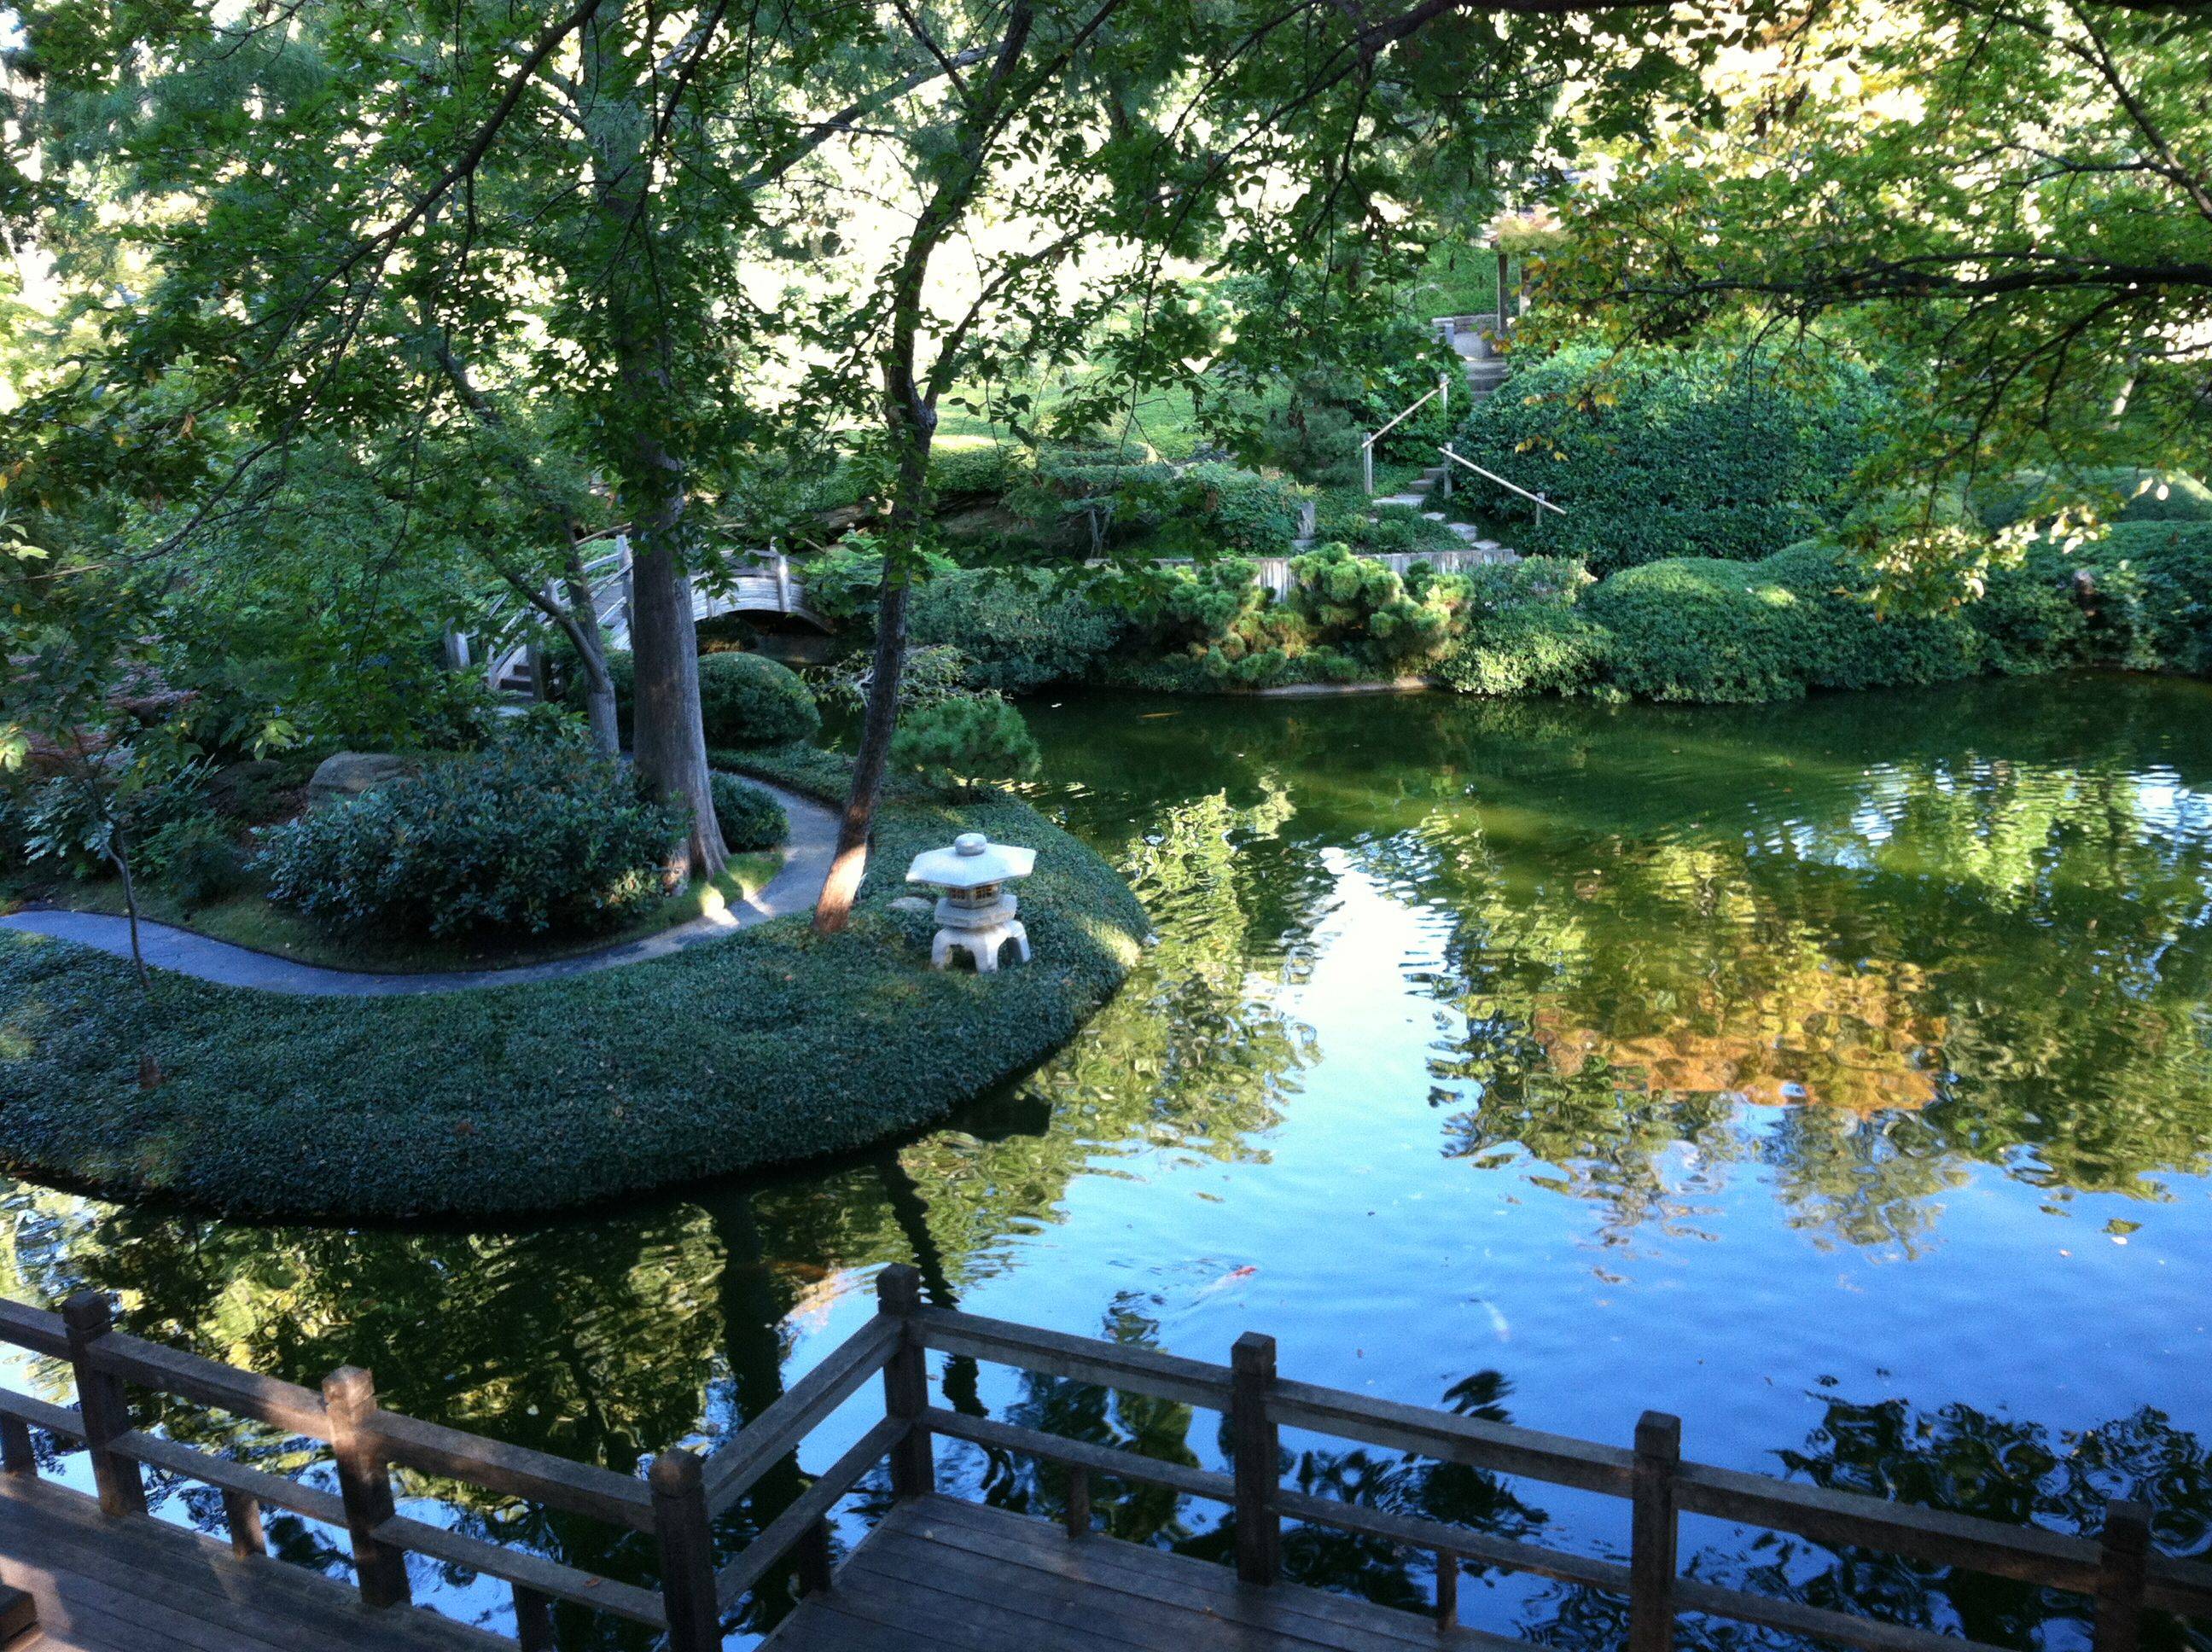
982 943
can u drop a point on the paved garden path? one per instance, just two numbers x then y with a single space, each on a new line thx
806 862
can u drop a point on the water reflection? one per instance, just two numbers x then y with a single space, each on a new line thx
1838 1076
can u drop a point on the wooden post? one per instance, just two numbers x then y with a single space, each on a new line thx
18 1456
687 1554
1448 466
1443 399
2121 1568
365 1487
1252 1438
816 1566
99 1396
533 1620
1505 310
1447 1590
242 1515
905 1385
1367 465
782 583
1079 1501
1654 1530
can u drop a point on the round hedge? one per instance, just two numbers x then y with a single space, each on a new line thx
772 1045
745 699
750 818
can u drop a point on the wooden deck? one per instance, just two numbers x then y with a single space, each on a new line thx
106 1585
939 1573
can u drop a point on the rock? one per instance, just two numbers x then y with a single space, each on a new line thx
913 903
348 774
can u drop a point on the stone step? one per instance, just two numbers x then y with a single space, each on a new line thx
1412 502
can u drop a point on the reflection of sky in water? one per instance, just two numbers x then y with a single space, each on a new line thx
1831 1075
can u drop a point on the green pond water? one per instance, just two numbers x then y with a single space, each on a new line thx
1838 1076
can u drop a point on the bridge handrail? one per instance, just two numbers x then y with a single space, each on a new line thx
1367 443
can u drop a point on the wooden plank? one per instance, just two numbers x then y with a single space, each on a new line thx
2027 1553
1115 1605
2179 1586
1816 1623
758 1557
1256 1452
1555 1458
34 1329
735 1467
533 1572
1112 1566
1085 1359
519 1471
905 1384
1103 1460
55 1419
210 1382
274 1490
1655 1531
1414 1533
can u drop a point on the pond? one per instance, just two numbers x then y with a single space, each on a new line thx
1838 1076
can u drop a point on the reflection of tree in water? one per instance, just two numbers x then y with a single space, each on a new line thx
1943 966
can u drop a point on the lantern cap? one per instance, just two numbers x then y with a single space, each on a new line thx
972 861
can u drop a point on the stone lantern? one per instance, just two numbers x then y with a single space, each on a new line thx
974 911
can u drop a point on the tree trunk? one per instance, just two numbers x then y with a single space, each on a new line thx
581 622
670 739
121 856
878 722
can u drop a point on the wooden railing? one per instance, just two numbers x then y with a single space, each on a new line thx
1537 499
679 1501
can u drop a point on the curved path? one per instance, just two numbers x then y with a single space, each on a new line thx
805 863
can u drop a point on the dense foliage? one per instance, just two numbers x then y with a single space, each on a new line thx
1017 631
530 835
965 741
749 700
1660 453
537 1096
750 818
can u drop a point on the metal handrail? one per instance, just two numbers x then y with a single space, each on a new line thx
1367 445
1511 487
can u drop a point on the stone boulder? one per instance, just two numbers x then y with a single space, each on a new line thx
345 775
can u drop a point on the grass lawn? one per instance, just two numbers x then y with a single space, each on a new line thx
1165 421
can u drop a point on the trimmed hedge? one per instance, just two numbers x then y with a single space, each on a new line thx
530 835
1662 454
743 699
772 1045
750 818
2142 496
1018 632
746 700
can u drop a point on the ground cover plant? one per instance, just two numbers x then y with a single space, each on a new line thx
770 1046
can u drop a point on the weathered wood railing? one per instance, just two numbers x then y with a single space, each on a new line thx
679 1501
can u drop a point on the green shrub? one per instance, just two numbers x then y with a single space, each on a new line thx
195 858
2151 593
529 835
1849 643
1195 508
1359 606
1556 581
966 742
1243 512
750 818
986 470
1706 630
1664 454
1397 530
748 700
2123 493
1533 649
1018 631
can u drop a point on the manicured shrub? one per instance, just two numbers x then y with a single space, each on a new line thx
1193 509
1849 643
750 818
2149 594
1533 649
2124 494
529 835
1661 454
748 700
1361 607
1018 632
985 470
1243 512
1706 630
966 742
196 858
